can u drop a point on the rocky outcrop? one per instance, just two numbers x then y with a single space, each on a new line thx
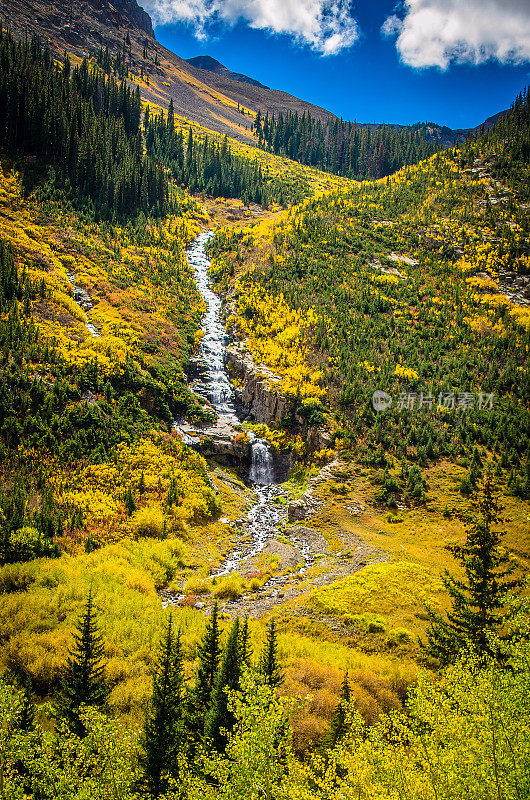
225 449
308 505
222 441
259 394
261 400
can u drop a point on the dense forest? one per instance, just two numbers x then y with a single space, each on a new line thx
86 125
200 164
344 148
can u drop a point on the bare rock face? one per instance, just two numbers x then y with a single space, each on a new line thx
261 399
297 511
259 395
80 26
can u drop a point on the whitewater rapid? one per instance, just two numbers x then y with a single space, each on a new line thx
214 384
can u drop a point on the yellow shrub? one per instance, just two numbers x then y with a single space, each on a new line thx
385 589
197 586
148 521
229 586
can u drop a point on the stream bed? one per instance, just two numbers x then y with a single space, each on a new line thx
214 383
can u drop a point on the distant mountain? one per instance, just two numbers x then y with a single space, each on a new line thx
434 132
490 121
212 65
203 90
219 100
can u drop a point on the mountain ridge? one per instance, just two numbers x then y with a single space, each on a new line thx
211 64
202 89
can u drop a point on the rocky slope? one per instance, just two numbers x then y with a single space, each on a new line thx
212 65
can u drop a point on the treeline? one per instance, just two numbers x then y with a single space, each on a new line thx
200 164
509 140
84 124
343 148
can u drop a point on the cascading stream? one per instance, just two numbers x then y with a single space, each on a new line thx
214 383
84 301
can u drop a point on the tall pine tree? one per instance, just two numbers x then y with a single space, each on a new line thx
269 665
220 718
84 679
245 649
163 736
209 653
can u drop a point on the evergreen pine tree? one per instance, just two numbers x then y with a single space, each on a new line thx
130 503
269 665
84 678
208 652
163 728
171 117
219 718
478 600
245 650
338 723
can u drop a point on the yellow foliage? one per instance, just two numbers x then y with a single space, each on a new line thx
276 336
406 372
229 586
380 589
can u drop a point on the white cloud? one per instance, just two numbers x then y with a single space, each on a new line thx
434 33
327 26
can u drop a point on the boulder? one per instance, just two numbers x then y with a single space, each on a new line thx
296 511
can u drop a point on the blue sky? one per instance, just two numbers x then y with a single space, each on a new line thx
451 61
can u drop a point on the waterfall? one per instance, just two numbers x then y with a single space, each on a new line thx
262 468
214 383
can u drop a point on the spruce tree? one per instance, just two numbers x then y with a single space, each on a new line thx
478 600
245 650
129 501
209 653
269 665
219 718
84 678
163 727
338 723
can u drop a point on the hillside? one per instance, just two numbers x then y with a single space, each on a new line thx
218 102
250 413
417 286
218 99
